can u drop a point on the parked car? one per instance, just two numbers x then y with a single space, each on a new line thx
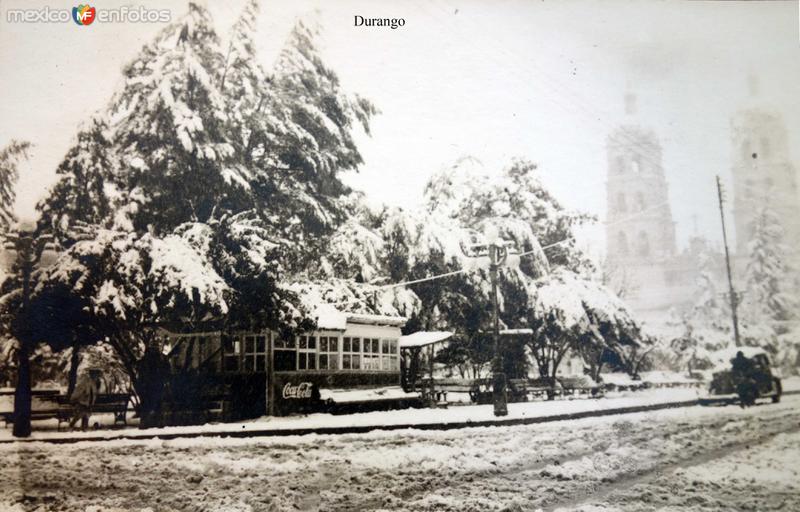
768 384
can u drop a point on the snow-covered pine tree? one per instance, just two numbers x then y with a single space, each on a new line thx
193 229
318 143
10 157
769 298
242 78
255 119
87 189
169 126
257 122
709 320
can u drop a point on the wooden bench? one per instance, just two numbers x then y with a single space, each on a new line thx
518 390
39 414
579 386
59 407
441 389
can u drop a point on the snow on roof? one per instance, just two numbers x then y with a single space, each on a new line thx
363 318
332 320
336 302
423 338
512 332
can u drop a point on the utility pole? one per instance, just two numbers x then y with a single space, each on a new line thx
497 256
733 297
497 250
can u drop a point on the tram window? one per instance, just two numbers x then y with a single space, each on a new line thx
389 358
210 358
284 343
307 353
351 353
232 348
254 354
261 353
371 356
285 360
328 353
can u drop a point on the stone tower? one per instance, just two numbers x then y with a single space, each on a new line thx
640 234
763 175
640 230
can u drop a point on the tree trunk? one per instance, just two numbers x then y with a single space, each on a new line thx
551 380
22 395
596 371
544 370
74 362
149 383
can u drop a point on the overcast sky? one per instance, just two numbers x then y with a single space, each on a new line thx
492 79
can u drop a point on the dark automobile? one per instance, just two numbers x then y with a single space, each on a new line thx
767 384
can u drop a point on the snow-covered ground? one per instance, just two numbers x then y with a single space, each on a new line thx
47 429
696 459
454 414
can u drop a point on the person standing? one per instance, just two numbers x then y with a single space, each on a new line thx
742 373
83 398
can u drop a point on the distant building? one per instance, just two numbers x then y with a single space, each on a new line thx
763 176
644 265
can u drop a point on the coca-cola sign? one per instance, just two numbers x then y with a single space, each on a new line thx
297 391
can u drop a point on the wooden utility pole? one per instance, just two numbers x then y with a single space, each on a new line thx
498 375
733 297
497 250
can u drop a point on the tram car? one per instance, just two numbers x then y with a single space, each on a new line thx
349 362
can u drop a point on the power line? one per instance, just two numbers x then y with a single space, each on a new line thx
526 253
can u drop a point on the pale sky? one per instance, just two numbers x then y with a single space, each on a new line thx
493 79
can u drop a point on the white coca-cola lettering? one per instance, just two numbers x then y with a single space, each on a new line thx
302 390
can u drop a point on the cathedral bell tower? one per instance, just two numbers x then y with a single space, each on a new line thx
639 230
763 174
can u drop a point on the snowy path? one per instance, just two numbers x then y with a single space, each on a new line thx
698 458
456 415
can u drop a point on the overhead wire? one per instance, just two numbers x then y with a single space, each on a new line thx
522 254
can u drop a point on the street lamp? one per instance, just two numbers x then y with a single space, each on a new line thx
497 250
28 252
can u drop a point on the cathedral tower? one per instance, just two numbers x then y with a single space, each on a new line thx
763 176
640 230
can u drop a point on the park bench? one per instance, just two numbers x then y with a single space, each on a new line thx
574 386
518 390
522 390
58 406
40 402
441 387
114 403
